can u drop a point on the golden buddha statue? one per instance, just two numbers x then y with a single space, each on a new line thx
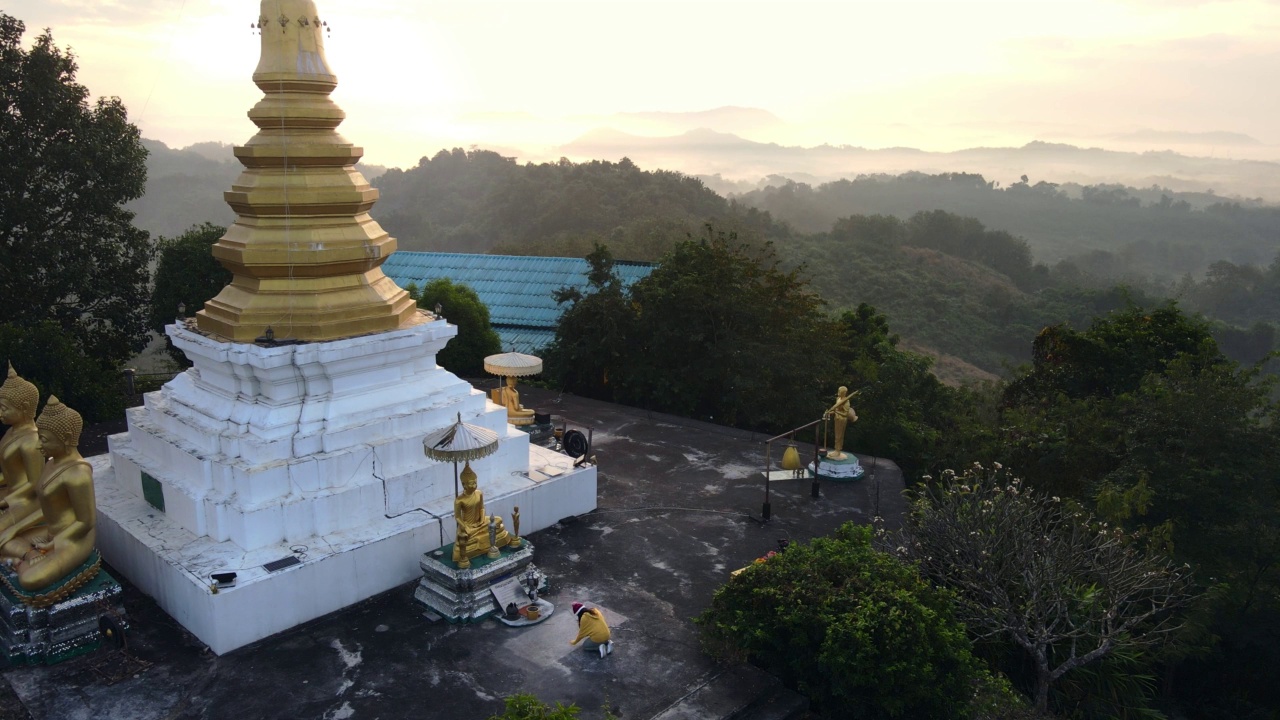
21 459
516 413
843 413
473 525
46 554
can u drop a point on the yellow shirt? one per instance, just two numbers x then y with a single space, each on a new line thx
591 625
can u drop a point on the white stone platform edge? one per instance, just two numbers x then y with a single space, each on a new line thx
848 468
172 565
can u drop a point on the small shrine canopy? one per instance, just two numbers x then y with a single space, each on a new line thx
513 364
460 441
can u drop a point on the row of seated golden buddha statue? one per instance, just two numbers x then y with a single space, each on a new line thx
508 397
47 509
479 534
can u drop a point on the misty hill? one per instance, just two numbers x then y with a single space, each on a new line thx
962 289
1105 231
184 188
477 201
707 152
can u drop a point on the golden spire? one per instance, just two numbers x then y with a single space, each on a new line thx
305 254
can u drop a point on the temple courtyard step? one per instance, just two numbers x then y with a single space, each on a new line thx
742 692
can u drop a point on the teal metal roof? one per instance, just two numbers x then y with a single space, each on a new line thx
517 288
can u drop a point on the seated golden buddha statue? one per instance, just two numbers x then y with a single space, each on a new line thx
473 525
516 413
48 553
21 459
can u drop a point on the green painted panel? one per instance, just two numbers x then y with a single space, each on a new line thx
153 492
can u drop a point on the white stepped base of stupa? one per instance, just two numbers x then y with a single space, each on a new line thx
175 567
311 451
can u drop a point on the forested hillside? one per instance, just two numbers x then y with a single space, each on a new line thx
966 271
1107 231
184 188
962 269
480 201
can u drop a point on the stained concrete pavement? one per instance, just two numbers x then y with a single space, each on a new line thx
679 506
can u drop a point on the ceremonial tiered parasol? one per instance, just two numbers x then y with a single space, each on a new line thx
460 441
513 364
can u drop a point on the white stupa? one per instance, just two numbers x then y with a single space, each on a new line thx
297 462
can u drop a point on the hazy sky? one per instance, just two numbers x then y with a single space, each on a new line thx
418 75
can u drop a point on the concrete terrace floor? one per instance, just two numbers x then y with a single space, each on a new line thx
675 500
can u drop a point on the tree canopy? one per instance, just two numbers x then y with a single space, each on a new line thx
460 305
860 633
69 252
1142 420
1027 568
718 331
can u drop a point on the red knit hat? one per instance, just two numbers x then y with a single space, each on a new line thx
577 608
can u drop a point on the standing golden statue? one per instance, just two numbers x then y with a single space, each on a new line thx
843 413
21 459
473 536
61 548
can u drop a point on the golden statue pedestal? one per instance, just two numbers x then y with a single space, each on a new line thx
461 595
49 626
842 469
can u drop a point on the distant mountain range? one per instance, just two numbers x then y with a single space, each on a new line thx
185 186
740 164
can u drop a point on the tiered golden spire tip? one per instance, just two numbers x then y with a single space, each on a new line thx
305 254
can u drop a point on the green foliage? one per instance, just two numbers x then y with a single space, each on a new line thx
48 356
964 305
1141 418
69 253
524 706
1114 354
1035 571
188 275
904 411
718 331
966 238
480 201
593 347
465 354
723 333
855 630
1108 233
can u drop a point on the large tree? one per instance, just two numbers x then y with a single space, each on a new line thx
725 333
69 252
1030 569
